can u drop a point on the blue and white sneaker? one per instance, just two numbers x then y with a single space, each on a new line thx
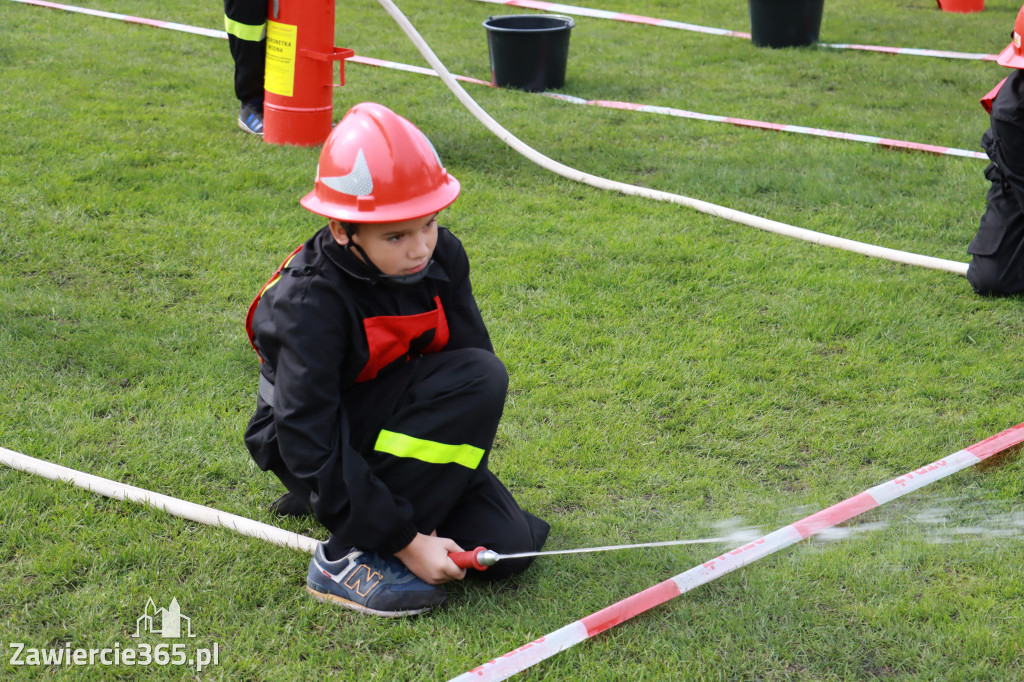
371 583
250 119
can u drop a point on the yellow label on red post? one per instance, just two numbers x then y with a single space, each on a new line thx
280 74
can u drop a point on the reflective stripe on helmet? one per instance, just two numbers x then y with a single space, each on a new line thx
377 167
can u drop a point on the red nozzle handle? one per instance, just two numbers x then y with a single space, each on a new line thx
468 559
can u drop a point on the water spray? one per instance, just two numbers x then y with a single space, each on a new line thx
482 558
540 649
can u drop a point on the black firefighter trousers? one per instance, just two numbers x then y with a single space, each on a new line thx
245 21
997 266
454 397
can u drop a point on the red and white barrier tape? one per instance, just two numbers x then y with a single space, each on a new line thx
913 51
156 23
782 127
668 23
383 63
616 16
606 104
574 633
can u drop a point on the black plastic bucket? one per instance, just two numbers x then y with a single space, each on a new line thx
529 51
785 23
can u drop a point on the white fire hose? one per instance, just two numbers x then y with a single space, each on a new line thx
543 161
171 505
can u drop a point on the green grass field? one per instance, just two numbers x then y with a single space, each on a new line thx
669 370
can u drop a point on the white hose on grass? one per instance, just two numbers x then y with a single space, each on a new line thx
543 161
171 505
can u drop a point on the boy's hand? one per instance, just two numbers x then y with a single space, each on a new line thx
427 557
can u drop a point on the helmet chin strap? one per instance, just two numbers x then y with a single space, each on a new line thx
378 274
409 279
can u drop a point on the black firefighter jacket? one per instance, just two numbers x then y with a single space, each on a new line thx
1001 231
321 327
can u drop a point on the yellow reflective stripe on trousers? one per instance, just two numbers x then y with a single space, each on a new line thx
400 445
245 31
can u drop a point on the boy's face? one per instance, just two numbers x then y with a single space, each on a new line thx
401 248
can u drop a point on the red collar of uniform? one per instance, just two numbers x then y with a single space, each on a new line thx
987 100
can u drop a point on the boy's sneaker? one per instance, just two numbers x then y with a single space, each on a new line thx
371 583
250 119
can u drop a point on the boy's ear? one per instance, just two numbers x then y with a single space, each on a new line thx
338 231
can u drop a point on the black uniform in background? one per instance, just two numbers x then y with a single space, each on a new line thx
998 249
246 24
385 401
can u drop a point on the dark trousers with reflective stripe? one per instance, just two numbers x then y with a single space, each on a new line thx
250 56
452 398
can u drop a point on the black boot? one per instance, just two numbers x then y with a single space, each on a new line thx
290 505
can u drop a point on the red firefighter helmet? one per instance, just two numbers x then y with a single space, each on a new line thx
377 167
1013 55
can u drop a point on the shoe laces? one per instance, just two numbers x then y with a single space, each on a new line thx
393 570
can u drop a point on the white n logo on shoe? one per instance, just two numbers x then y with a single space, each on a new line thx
363 579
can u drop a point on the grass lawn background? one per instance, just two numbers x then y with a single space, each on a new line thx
668 370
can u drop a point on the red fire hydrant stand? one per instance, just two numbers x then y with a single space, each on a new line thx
299 84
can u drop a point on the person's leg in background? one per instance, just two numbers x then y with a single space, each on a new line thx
246 24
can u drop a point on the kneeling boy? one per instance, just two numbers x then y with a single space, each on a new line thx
380 393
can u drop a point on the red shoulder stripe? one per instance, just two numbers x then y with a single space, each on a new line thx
255 302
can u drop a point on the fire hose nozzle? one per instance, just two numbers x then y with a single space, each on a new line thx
487 557
480 558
